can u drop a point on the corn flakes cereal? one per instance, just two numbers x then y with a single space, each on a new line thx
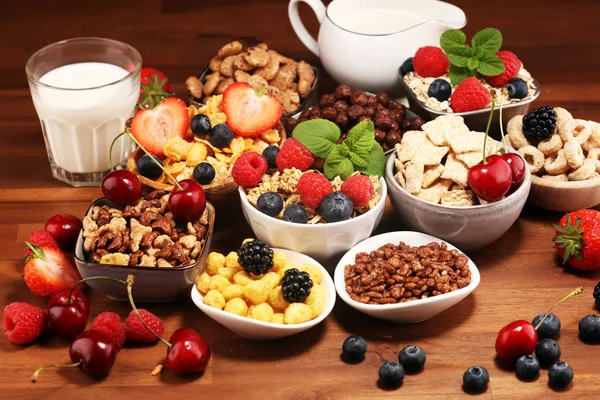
177 148
197 154
276 299
256 292
271 279
233 291
203 282
262 312
214 261
215 299
316 300
297 313
313 271
231 261
227 273
237 306
218 282
277 318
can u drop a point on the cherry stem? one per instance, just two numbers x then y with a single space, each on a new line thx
154 160
487 129
501 123
110 163
573 293
35 375
108 278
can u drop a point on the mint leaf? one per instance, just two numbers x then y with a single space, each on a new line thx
360 158
488 39
451 39
318 135
337 165
460 56
491 65
376 165
472 64
459 74
361 137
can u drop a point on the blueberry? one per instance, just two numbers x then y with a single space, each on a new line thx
391 374
560 375
220 135
407 66
270 154
354 348
412 358
270 203
336 207
440 89
200 125
295 213
148 168
204 173
517 88
549 329
548 352
589 328
475 379
528 368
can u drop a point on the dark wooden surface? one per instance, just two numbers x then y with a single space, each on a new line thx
521 277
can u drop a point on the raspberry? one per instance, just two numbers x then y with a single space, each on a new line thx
23 322
312 187
430 61
249 169
359 188
40 239
110 324
512 65
137 332
470 95
294 154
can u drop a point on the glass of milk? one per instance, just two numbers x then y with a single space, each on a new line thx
84 90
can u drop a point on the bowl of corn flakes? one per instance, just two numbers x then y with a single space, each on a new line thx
254 306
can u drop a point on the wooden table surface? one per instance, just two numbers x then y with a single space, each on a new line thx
520 274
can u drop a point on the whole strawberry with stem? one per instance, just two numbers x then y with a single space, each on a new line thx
155 87
577 239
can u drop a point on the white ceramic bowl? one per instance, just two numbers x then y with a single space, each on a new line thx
470 228
321 241
412 311
258 330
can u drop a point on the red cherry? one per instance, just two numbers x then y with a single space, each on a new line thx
188 203
64 228
122 187
67 316
492 180
517 167
516 339
189 352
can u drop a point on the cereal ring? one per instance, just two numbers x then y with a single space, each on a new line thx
515 132
227 66
561 177
586 171
565 130
223 84
270 70
551 145
594 140
256 56
594 154
211 82
574 153
533 157
582 130
215 63
240 63
556 164
230 49
562 115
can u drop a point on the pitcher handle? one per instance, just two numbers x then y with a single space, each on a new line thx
306 38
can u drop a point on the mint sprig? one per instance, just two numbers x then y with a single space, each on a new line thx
358 152
467 60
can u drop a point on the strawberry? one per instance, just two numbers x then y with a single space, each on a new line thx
48 270
250 113
155 87
153 128
577 239
40 239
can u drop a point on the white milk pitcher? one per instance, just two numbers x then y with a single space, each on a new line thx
364 42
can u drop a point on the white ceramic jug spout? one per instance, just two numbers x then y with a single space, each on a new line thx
306 38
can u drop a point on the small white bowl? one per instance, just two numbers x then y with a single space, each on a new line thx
321 241
412 311
258 330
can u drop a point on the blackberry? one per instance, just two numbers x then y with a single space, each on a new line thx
597 295
295 285
255 257
539 124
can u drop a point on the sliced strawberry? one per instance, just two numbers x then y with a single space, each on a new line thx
49 270
155 87
153 128
250 113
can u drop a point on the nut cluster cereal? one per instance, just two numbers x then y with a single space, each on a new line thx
144 235
397 274
571 153
287 80
226 286
432 164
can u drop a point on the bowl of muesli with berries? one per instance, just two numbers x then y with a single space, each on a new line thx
315 195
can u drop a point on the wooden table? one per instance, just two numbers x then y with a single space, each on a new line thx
521 276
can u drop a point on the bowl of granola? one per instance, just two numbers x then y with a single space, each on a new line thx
403 289
143 239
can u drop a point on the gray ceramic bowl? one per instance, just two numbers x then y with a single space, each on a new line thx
468 228
151 284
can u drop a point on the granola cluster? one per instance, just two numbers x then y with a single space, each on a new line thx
144 235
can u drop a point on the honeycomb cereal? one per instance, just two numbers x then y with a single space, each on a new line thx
262 312
218 282
214 261
316 300
277 318
256 292
214 299
233 291
276 299
297 313
237 306
279 260
315 273
231 261
203 282
271 279
227 273
242 278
